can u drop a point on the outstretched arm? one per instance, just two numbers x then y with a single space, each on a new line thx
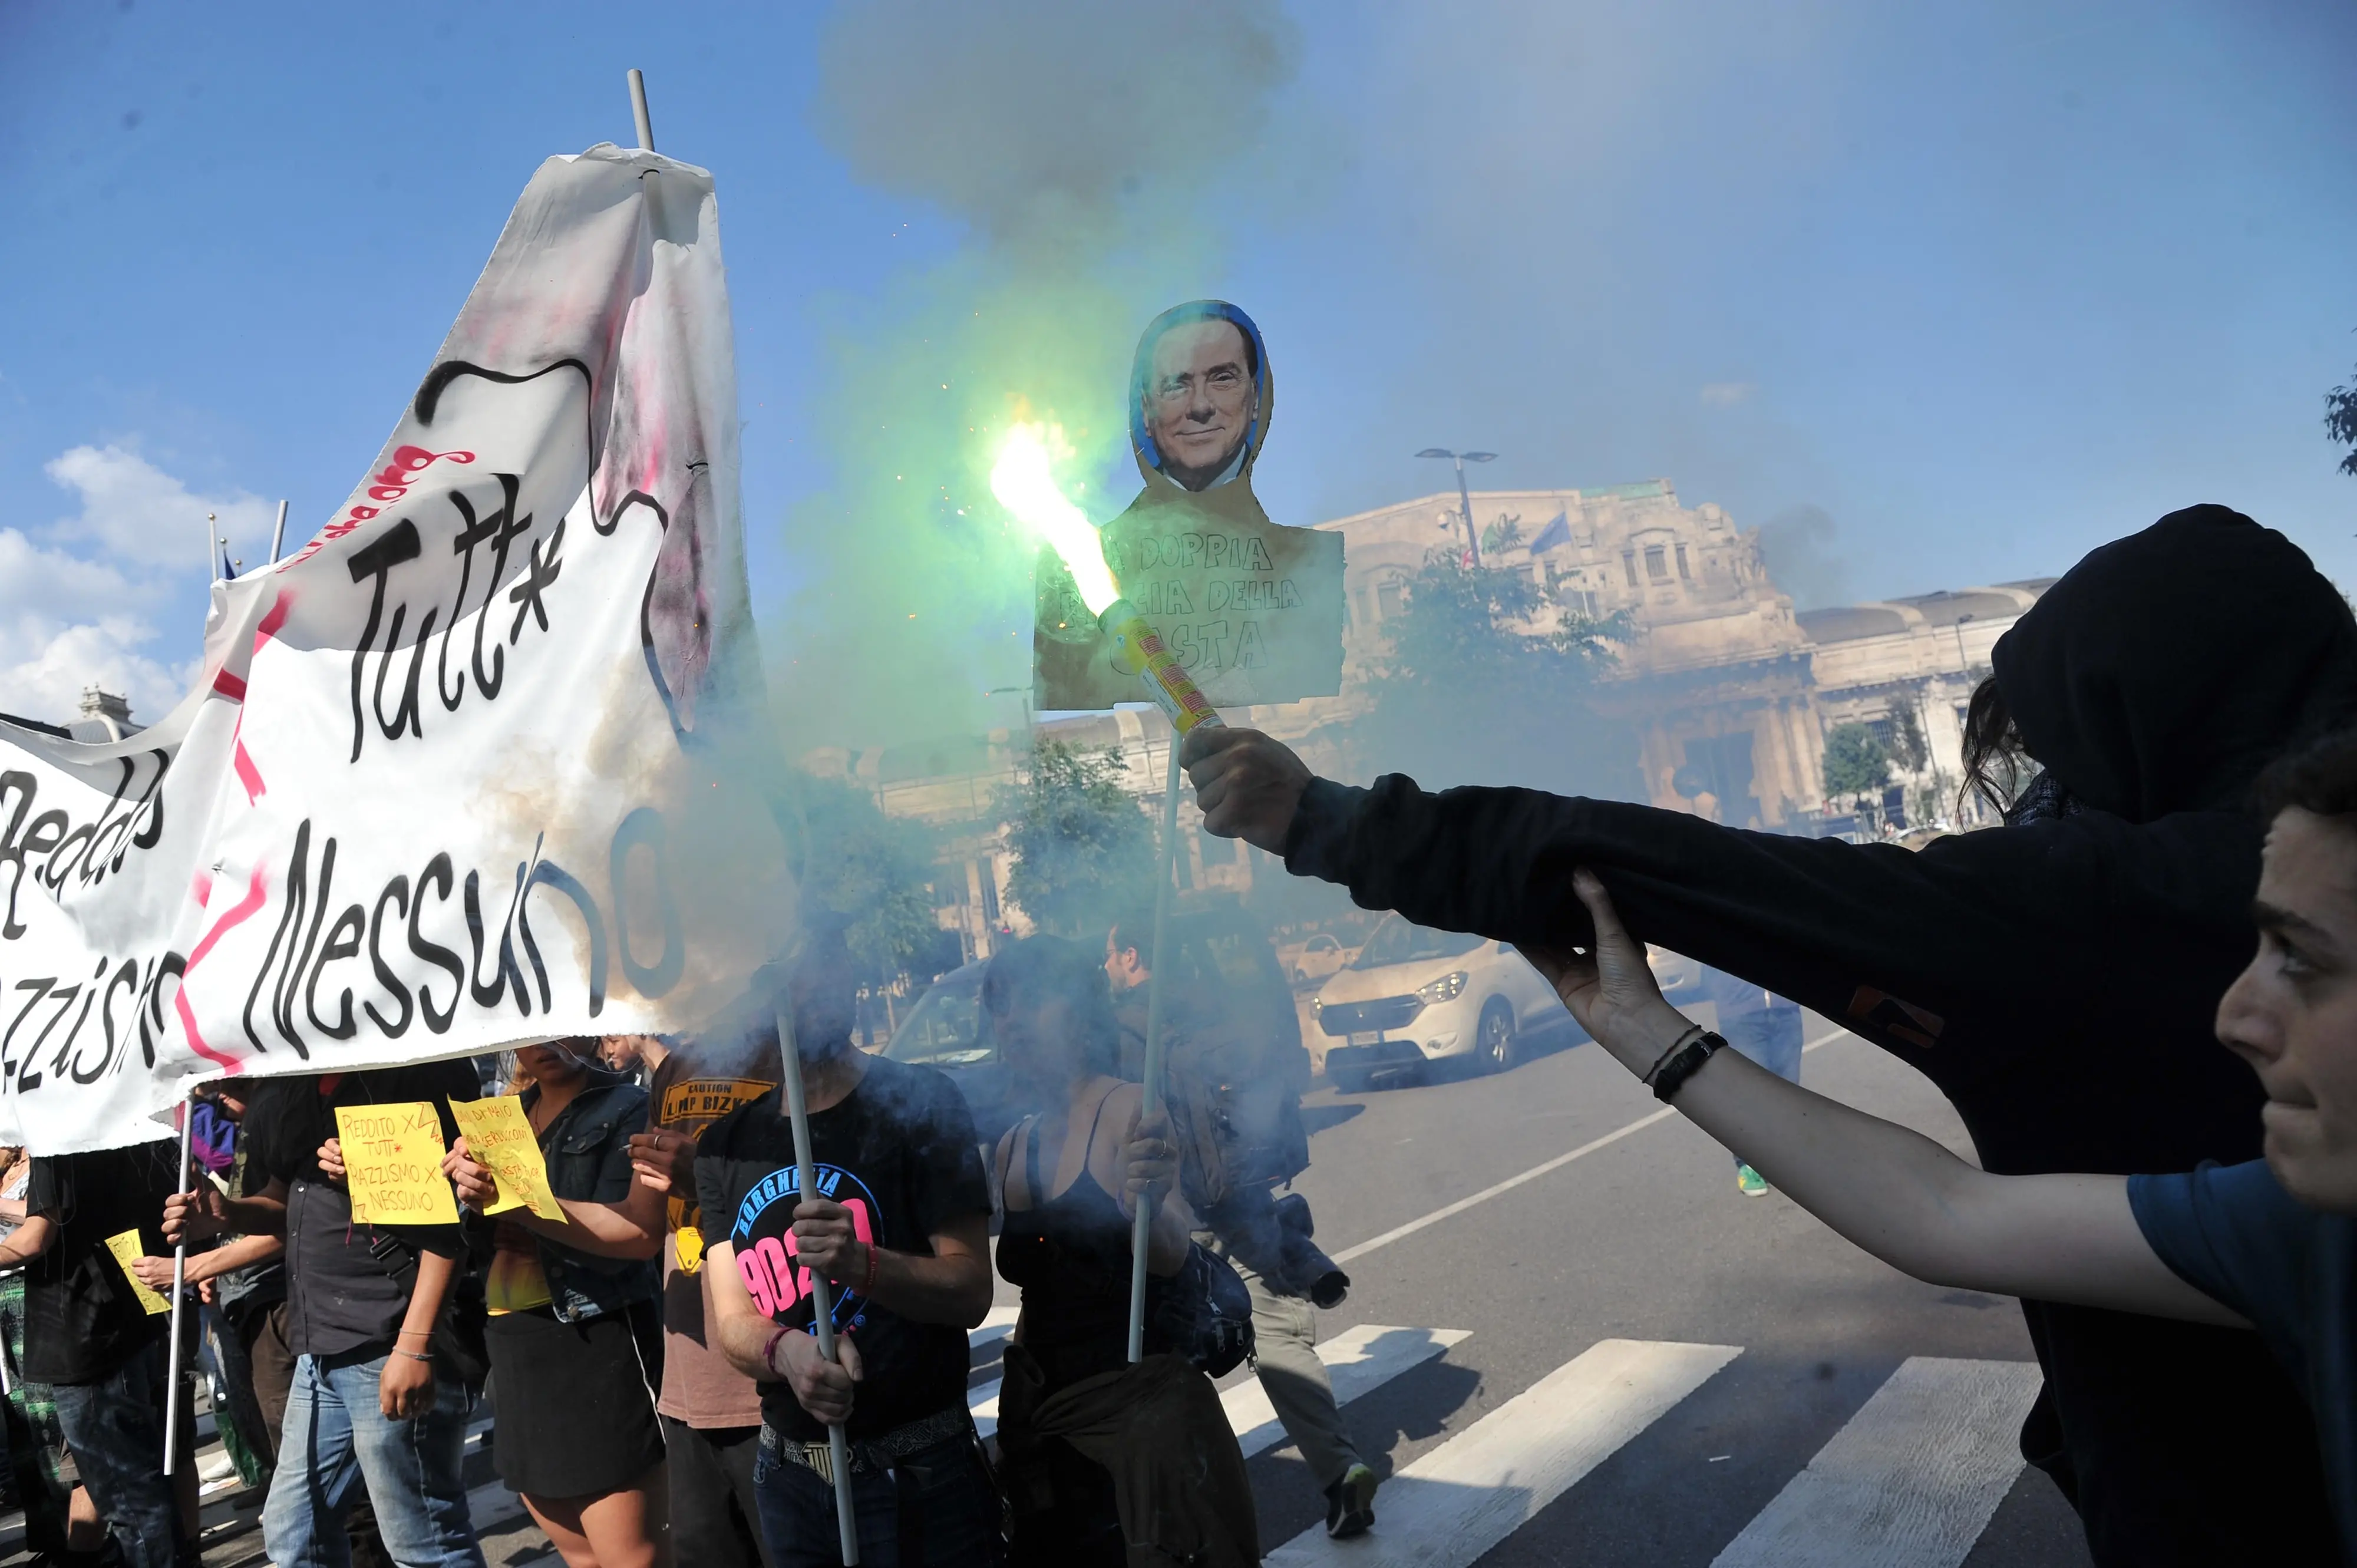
1892 1191
1926 927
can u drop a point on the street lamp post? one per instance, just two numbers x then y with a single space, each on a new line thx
1464 495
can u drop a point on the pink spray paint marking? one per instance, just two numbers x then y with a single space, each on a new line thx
238 912
243 760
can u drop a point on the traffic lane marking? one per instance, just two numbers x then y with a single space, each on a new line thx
1461 1498
1910 1481
1359 1360
1450 1211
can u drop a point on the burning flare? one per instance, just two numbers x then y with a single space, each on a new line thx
1026 486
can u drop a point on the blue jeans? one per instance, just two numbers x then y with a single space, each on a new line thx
336 1438
953 1502
115 1429
1771 1039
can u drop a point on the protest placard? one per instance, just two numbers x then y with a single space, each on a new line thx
128 1249
392 1164
1251 609
499 1136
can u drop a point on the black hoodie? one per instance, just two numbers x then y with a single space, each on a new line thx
2058 981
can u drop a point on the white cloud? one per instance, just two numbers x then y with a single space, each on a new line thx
81 598
1727 395
136 510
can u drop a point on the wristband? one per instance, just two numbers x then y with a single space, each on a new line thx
769 1349
868 1285
412 1355
1686 1064
1646 1077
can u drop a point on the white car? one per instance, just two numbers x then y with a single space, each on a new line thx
1315 958
1415 997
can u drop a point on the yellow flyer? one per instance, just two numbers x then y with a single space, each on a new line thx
128 1250
392 1162
500 1138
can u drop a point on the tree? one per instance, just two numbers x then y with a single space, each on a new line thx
1084 849
1909 750
2341 424
1486 677
1856 762
873 871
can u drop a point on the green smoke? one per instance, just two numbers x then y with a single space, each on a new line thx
1081 145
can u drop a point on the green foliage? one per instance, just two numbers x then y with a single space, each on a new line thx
1475 633
1487 678
1909 750
1855 763
1084 849
1503 535
2341 424
873 871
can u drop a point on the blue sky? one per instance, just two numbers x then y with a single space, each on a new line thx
1988 285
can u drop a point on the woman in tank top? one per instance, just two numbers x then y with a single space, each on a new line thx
1069 1174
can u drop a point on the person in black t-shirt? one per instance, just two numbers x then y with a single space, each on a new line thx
902 1232
371 1401
89 1337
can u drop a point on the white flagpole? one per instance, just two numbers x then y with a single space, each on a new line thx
638 111
1152 1100
838 1447
797 1116
278 534
213 548
179 1283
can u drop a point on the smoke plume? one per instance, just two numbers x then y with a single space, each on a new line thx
1085 150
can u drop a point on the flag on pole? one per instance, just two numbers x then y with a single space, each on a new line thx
483 763
1554 533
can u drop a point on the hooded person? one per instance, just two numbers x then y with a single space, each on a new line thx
2057 979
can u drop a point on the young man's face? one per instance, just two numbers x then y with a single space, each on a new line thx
2293 1013
1124 966
1198 400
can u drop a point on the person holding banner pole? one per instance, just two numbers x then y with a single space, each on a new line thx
897 1227
95 1335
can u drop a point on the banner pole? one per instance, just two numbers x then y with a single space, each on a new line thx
180 1285
1152 1100
278 534
822 1293
213 548
638 111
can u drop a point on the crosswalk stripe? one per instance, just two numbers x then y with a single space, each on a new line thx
1909 1482
1466 1496
1358 1359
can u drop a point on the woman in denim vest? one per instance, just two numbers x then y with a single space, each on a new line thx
576 1330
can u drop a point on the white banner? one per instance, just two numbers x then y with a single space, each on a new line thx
482 763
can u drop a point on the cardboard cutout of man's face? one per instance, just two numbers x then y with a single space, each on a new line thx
1200 400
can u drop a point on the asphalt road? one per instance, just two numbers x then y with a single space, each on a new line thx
1646 1239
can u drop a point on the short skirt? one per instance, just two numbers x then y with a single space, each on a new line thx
574 1402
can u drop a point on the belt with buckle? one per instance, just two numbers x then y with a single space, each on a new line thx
871 1455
